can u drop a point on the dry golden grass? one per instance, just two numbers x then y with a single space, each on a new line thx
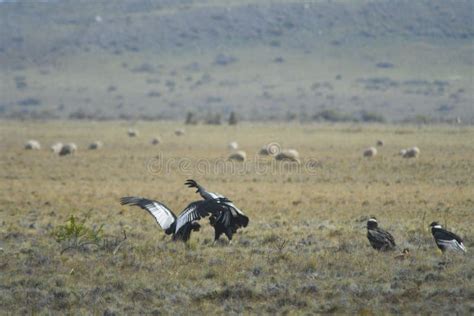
304 251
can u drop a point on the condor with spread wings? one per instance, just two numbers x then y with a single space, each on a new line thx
228 217
179 227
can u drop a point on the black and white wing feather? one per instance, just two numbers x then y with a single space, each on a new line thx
235 209
212 196
162 214
448 240
197 210
202 191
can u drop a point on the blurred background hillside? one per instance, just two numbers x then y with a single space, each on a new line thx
382 61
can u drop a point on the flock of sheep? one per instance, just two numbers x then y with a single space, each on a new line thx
271 149
70 148
412 152
60 148
266 150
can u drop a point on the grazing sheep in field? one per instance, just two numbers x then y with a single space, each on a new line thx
264 151
293 152
179 132
380 143
32 145
132 132
403 152
370 152
238 156
96 145
288 155
233 146
412 152
155 141
68 149
56 148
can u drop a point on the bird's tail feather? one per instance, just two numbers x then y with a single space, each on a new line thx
131 200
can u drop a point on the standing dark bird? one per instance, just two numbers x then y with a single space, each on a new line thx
446 240
379 238
179 227
229 218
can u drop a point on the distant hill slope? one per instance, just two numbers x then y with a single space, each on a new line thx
223 55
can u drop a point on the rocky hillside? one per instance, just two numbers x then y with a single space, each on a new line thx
221 56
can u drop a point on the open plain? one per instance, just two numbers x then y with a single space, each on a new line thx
304 251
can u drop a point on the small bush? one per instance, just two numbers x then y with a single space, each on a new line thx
154 94
75 234
419 119
111 88
233 119
384 64
333 116
290 116
224 60
371 117
20 82
29 102
191 119
144 68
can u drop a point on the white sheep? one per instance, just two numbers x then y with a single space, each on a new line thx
179 132
32 145
264 151
233 146
96 145
155 141
239 155
132 132
412 152
370 152
56 148
288 155
68 149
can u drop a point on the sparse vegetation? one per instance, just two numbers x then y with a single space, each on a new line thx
305 250
30 102
74 234
333 116
371 117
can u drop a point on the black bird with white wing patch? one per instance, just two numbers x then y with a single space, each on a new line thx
179 227
379 239
229 218
446 240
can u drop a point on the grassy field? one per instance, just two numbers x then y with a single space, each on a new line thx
304 251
